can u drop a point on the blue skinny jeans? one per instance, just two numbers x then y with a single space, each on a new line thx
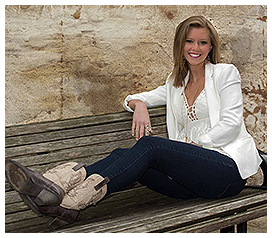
173 168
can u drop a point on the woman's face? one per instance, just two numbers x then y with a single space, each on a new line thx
197 46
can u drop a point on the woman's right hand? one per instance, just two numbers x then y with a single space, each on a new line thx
141 124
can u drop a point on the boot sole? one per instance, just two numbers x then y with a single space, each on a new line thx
27 200
60 216
29 183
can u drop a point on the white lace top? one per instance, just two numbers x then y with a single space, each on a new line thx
194 121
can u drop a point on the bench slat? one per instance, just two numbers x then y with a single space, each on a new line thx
166 214
219 223
48 147
125 212
76 122
74 132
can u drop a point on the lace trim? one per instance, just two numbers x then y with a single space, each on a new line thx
191 110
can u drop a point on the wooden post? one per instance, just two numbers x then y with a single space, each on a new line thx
242 227
229 229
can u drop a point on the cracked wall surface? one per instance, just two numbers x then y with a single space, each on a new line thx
72 61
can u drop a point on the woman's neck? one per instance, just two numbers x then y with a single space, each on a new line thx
197 73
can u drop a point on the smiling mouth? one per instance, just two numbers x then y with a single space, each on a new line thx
195 56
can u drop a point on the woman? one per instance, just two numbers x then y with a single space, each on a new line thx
203 157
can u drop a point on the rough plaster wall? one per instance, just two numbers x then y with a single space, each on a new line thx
71 61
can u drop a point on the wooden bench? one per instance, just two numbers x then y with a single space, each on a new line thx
41 146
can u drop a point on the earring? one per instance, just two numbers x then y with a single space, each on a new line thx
208 59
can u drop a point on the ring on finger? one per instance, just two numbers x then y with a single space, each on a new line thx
148 129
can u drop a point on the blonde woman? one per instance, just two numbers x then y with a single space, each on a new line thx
203 157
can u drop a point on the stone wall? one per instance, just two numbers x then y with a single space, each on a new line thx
72 61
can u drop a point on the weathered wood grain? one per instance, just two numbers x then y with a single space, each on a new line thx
76 122
219 223
125 212
164 214
77 141
75 132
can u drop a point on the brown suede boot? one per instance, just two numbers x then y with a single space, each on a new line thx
29 183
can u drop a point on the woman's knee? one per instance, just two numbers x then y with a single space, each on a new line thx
144 139
148 140
119 151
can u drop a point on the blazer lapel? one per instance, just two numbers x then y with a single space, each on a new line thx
211 95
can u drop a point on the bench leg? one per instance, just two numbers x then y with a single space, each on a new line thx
229 229
242 227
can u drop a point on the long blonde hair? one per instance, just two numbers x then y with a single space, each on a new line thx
181 66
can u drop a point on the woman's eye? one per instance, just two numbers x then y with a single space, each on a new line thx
189 41
203 42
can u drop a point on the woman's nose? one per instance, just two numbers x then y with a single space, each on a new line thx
195 46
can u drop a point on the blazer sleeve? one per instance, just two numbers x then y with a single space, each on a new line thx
228 85
153 98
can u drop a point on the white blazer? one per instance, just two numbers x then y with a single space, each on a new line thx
225 104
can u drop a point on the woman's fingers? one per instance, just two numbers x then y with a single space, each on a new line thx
133 128
137 129
141 129
141 125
